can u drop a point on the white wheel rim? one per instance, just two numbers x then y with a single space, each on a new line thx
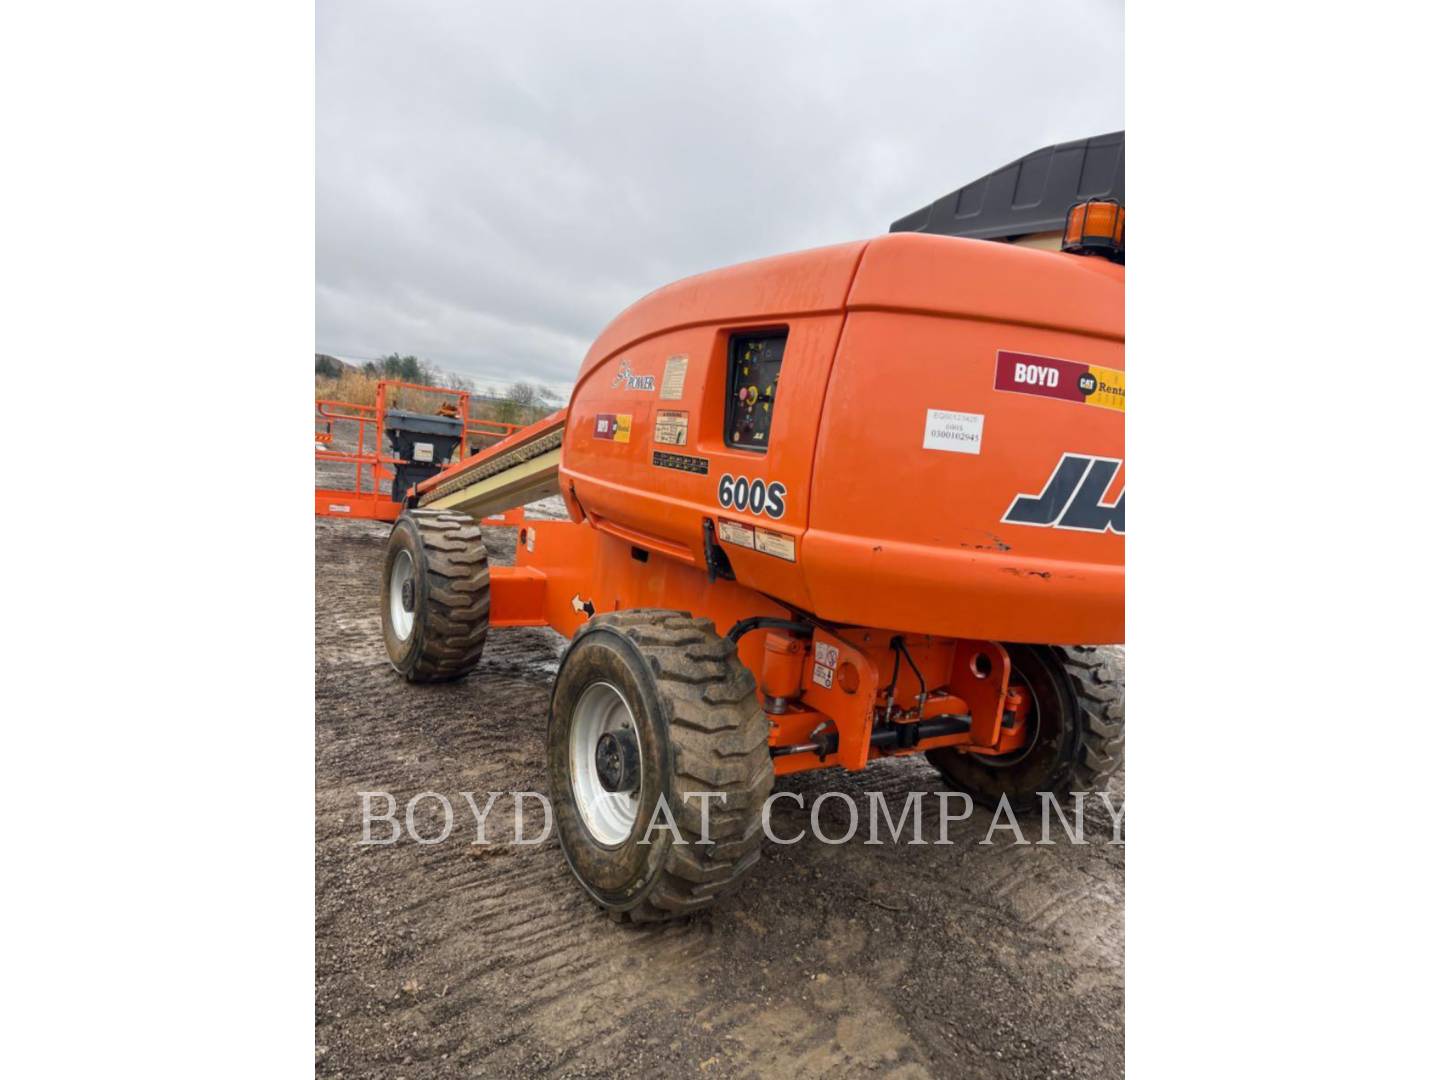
402 570
608 816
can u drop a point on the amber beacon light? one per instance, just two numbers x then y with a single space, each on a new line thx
1096 227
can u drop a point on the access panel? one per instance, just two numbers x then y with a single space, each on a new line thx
753 382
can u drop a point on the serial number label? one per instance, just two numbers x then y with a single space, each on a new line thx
957 432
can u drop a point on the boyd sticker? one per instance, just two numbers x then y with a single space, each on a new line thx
1063 380
613 427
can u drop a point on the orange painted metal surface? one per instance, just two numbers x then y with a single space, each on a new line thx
783 668
565 572
852 714
618 483
517 596
943 560
886 530
347 502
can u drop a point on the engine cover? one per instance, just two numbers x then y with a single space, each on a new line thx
919 433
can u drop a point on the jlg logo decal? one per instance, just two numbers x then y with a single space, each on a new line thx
1074 498
754 495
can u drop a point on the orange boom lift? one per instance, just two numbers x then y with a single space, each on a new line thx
824 508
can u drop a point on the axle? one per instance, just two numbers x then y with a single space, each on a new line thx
883 737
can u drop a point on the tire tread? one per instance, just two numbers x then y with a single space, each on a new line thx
457 619
720 738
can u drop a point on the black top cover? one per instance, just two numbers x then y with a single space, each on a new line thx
1030 195
423 423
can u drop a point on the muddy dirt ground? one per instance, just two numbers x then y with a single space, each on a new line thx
460 960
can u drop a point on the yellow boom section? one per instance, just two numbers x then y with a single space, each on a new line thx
513 472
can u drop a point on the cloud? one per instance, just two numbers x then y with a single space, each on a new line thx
495 182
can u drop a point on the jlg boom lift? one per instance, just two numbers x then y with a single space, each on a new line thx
825 508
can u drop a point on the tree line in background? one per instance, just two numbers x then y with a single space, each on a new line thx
520 403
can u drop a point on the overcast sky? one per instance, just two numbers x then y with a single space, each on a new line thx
496 181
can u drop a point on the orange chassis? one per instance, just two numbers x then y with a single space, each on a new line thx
564 571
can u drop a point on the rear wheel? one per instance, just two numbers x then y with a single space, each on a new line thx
651 704
1076 729
435 595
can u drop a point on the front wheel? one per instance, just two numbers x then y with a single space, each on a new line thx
1076 729
650 705
435 595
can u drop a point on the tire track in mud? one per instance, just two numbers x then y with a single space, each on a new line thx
449 959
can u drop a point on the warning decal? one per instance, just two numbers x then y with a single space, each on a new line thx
775 543
672 427
826 657
672 383
1064 380
737 532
